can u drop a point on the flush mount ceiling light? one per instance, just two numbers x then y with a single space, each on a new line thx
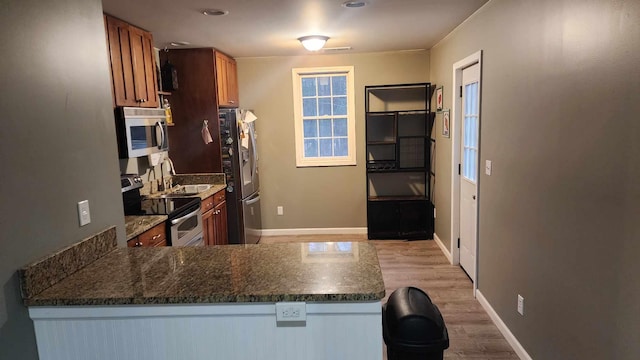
354 4
313 42
214 12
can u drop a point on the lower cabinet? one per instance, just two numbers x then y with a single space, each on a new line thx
400 219
214 219
156 236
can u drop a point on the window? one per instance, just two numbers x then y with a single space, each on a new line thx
324 116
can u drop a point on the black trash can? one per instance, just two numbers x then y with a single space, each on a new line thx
412 326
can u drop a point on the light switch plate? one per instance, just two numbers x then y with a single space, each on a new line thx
84 215
487 167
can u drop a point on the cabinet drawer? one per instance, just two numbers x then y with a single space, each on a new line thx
154 236
213 200
219 197
207 204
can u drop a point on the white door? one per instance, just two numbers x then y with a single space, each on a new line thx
469 168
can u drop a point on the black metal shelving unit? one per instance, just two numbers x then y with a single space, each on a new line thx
399 157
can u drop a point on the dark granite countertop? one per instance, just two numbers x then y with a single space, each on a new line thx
312 272
137 224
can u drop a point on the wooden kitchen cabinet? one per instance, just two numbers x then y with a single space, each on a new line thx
153 237
214 219
133 67
195 101
226 80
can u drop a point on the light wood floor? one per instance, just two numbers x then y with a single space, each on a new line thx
472 334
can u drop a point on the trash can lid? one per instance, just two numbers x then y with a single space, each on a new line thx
411 320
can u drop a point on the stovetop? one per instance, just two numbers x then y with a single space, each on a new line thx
174 207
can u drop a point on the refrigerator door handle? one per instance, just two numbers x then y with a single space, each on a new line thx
252 200
252 133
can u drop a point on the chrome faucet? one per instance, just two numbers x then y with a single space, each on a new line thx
172 170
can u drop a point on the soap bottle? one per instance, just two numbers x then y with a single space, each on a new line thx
167 110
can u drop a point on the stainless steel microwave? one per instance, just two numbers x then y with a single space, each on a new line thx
141 131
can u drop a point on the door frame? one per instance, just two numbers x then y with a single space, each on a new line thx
455 126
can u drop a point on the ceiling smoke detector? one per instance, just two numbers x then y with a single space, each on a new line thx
214 12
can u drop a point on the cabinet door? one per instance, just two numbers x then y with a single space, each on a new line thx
144 69
232 82
208 228
121 62
226 80
133 69
220 223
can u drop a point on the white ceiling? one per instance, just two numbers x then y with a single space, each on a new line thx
271 27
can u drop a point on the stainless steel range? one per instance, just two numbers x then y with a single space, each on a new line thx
184 224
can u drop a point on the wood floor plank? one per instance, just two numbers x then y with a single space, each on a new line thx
472 334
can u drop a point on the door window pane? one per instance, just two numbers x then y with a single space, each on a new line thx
470 134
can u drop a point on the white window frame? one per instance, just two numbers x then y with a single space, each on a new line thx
301 160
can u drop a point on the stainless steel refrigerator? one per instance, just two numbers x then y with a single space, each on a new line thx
240 165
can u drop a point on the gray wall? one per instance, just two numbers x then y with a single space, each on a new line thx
558 216
57 143
325 197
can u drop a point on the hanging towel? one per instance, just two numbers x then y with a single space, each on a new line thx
206 135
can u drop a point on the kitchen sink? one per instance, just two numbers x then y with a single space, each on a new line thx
187 190
195 189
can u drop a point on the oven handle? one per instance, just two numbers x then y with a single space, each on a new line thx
175 221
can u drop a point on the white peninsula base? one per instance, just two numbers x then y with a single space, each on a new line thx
243 331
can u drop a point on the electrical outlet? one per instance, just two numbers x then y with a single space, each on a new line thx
280 210
291 311
487 167
520 305
84 215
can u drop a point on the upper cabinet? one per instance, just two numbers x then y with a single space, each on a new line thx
226 80
133 68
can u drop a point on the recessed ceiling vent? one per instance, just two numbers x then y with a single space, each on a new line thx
338 48
214 12
354 4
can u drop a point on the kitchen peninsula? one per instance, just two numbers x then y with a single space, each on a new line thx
193 303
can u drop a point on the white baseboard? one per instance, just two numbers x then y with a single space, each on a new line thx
508 335
444 249
314 231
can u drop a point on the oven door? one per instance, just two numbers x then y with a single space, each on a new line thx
186 229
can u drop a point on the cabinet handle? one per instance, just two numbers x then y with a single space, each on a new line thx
138 244
155 237
231 102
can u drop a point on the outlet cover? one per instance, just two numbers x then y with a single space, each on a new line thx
280 210
291 311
